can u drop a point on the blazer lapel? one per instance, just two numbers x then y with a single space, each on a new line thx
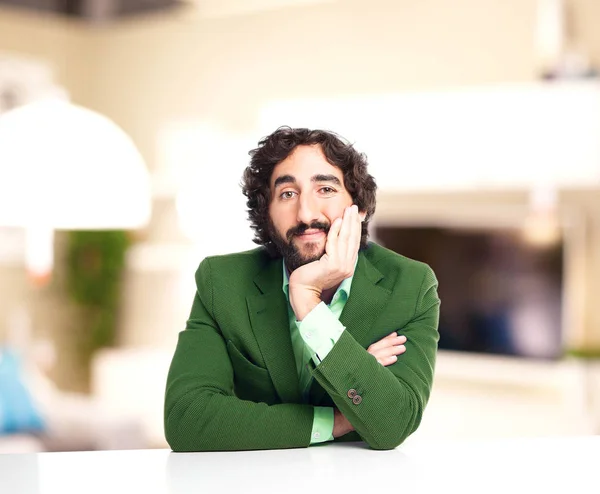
270 323
367 300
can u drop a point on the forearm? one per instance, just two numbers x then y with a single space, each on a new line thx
203 414
201 411
385 404
206 420
303 302
388 411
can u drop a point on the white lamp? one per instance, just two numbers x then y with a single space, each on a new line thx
64 167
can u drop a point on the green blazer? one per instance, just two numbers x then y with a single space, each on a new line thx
233 383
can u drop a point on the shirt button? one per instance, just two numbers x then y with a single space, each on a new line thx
308 335
316 435
351 393
357 400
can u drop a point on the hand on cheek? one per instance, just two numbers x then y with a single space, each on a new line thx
344 236
341 250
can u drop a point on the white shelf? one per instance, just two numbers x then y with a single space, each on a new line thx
512 136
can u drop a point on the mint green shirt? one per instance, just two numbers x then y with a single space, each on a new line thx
312 339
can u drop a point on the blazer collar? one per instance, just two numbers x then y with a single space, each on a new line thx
269 319
270 324
366 302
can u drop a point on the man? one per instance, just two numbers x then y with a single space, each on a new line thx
315 336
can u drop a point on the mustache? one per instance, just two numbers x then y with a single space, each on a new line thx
300 228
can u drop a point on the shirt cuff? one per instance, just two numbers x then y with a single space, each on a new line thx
322 429
320 330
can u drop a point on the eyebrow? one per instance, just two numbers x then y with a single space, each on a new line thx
289 179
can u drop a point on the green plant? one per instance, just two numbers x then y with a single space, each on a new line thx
94 270
585 353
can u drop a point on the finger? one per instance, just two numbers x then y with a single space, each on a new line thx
381 344
395 340
400 340
390 351
388 361
387 341
345 232
397 350
350 238
331 245
356 234
378 347
389 357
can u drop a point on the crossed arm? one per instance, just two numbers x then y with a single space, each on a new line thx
386 353
202 412
313 282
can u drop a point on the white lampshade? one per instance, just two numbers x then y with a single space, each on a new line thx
66 167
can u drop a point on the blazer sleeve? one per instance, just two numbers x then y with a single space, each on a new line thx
201 411
391 399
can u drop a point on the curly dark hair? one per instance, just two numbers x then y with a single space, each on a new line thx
276 147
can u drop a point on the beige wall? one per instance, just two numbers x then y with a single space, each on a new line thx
585 18
225 69
148 72
61 42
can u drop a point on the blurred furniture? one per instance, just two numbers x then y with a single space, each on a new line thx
476 396
518 465
64 167
131 382
20 443
44 418
79 423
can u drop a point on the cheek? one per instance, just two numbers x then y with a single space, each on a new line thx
279 219
333 210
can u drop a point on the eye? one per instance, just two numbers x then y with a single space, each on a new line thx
327 190
288 194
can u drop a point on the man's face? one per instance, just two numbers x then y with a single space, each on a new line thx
307 195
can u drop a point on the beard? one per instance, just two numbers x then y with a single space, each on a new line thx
292 255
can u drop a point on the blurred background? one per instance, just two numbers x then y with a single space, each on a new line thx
124 130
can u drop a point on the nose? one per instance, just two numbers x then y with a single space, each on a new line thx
308 209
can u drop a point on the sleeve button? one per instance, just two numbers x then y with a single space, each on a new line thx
351 393
357 399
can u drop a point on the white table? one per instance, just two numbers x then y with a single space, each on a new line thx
535 465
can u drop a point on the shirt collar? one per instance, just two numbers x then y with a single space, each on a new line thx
344 287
